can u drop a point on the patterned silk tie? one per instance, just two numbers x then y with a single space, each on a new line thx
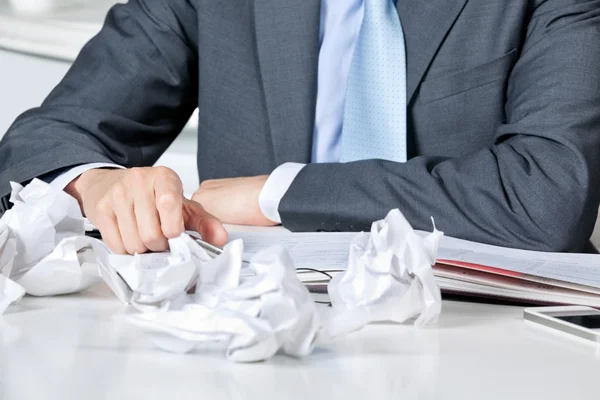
375 113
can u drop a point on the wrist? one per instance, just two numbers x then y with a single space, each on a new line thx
275 187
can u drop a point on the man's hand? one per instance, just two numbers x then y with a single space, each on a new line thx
234 200
139 209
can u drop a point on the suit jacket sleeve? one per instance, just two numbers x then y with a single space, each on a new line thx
125 99
537 187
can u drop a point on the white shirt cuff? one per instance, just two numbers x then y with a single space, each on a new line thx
275 188
61 181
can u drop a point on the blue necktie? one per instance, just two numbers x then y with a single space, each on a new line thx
375 113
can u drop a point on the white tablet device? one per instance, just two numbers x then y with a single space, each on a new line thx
575 320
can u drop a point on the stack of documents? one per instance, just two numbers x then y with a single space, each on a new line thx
462 267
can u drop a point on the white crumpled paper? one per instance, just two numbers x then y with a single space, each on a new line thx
253 317
69 268
150 281
389 278
8 250
10 291
46 250
41 217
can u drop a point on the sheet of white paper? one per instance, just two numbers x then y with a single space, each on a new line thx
323 251
583 269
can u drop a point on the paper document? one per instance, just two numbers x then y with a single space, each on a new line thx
329 252
322 251
582 269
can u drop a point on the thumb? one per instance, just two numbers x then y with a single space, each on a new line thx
208 226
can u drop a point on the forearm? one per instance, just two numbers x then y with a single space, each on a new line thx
500 196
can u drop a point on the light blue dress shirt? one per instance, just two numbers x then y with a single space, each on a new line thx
340 25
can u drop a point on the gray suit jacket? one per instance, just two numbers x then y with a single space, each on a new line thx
503 114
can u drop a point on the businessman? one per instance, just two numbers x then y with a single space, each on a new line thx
326 114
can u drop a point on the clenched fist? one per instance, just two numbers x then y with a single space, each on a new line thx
139 209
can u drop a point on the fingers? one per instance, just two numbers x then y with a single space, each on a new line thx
168 192
148 221
107 224
209 227
140 209
126 220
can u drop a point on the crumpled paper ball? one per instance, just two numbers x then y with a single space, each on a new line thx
41 217
389 278
253 317
44 247
152 281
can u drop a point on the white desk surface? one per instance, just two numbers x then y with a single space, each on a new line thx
70 347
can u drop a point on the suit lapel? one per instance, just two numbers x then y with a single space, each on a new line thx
287 37
425 24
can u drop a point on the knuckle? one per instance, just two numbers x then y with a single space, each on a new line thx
196 196
163 172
